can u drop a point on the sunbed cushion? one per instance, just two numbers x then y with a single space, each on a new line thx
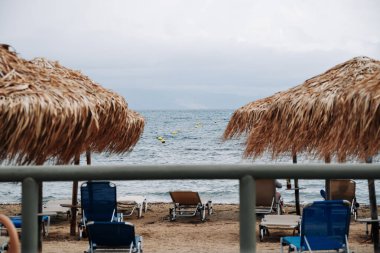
316 243
115 234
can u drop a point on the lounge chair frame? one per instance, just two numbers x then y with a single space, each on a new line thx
344 189
266 197
45 223
133 203
98 203
188 204
311 228
55 206
280 222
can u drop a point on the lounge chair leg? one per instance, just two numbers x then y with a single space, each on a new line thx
139 212
203 214
172 214
261 233
145 205
80 232
140 245
209 207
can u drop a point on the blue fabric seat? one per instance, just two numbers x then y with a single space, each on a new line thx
98 202
113 235
17 222
324 226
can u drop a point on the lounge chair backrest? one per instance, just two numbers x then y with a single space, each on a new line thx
265 192
342 189
186 197
330 218
112 234
98 200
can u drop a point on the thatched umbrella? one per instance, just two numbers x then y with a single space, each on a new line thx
335 113
245 118
118 128
313 116
48 112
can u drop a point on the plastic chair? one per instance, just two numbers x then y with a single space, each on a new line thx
266 197
113 235
55 206
344 189
282 222
188 204
98 202
17 222
324 226
131 203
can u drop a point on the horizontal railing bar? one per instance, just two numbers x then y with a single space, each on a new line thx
154 172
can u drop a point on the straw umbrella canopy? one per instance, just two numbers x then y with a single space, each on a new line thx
313 116
246 117
334 113
49 112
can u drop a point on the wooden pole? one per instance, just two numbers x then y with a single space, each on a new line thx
327 181
296 189
74 201
373 207
88 157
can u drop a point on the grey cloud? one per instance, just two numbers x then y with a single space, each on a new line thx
206 54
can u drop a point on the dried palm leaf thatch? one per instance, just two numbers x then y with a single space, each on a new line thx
48 111
245 118
119 127
334 113
356 129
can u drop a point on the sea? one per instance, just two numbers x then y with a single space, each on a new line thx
187 137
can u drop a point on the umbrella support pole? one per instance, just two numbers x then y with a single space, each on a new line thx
297 196
296 187
74 201
373 207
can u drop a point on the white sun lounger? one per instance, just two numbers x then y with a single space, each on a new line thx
278 222
54 206
132 203
368 221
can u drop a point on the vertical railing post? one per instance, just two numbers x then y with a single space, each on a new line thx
247 215
29 234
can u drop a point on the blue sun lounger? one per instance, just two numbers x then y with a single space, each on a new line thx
324 226
17 222
98 202
113 235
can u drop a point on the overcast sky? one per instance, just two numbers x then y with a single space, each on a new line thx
194 54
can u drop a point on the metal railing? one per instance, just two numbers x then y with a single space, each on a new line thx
30 175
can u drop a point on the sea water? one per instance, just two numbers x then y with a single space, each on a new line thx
186 137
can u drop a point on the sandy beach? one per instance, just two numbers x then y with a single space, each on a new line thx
220 232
